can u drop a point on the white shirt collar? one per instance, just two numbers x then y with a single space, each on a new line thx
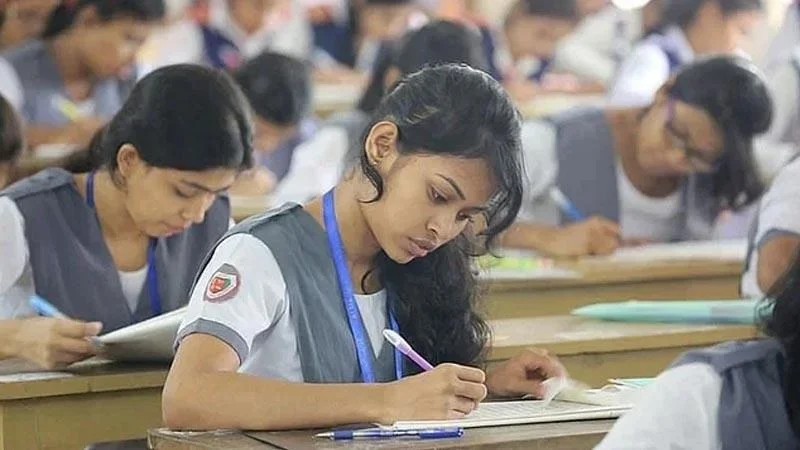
682 45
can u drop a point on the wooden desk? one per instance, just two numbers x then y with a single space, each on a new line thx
569 435
508 299
594 351
102 402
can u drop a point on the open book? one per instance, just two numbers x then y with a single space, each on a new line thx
150 340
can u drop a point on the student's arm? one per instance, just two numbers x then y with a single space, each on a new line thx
677 412
774 258
49 343
77 133
216 339
596 236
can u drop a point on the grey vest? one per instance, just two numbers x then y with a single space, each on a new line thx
587 173
72 266
41 83
752 411
324 341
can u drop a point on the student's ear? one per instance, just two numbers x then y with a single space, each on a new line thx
128 161
87 16
392 76
662 95
381 145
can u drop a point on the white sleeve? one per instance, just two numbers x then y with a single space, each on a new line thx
11 86
541 166
316 166
677 412
640 76
238 295
783 86
780 207
586 53
14 250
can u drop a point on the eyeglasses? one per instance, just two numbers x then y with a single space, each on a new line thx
698 159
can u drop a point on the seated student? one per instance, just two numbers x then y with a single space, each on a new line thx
689 28
12 141
741 395
278 88
21 20
662 172
266 336
123 243
775 233
318 163
603 40
522 55
70 82
783 45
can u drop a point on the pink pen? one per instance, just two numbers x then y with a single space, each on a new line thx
405 348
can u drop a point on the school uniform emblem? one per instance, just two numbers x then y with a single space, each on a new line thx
223 285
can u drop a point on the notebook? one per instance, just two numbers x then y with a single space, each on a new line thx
689 311
734 250
149 341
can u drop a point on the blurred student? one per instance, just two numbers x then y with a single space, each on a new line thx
22 20
12 141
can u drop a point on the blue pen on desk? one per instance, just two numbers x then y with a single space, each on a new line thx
389 433
567 207
46 309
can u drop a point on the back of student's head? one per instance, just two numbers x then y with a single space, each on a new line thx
182 117
459 112
683 12
12 140
554 9
67 13
277 86
439 42
733 92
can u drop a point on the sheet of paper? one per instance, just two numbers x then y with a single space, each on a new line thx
33 376
734 250
151 340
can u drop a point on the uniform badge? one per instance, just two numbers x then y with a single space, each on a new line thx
223 285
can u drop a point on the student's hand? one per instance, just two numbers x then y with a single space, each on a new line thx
254 182
53 343
523 374
79 132
595 236
522 91
449 391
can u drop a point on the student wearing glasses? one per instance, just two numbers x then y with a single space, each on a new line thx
659 173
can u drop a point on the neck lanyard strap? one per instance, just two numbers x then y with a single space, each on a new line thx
363 347
152 270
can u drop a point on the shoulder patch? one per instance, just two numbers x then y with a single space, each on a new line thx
223 285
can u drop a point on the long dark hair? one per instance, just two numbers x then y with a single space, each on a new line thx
183 117
733 92
63 17
780 319
457 111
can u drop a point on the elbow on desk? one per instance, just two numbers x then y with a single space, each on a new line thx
183 409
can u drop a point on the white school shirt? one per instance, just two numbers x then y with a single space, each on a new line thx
678 411
256 321
16 273
782 140
778 215
787 38
646 69
596 48
641 217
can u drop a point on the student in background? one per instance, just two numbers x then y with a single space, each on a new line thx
67 84
663 172
318 164
21 20
594 51
689 28
775 233
12 141
266 336
123 242
787 39
278 88
735 396
522 54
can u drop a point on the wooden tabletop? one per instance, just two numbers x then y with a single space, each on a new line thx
571 435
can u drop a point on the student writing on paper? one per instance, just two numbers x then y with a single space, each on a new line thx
775 233
318 163
266 336
123 242
12 141
662 172
689 28
68 83
736 396
278 88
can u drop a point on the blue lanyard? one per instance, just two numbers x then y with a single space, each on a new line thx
152 271
363 347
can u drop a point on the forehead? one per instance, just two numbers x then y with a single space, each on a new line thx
745 19
702 129
213 179
472 176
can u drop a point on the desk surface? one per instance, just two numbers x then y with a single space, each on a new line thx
572 435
